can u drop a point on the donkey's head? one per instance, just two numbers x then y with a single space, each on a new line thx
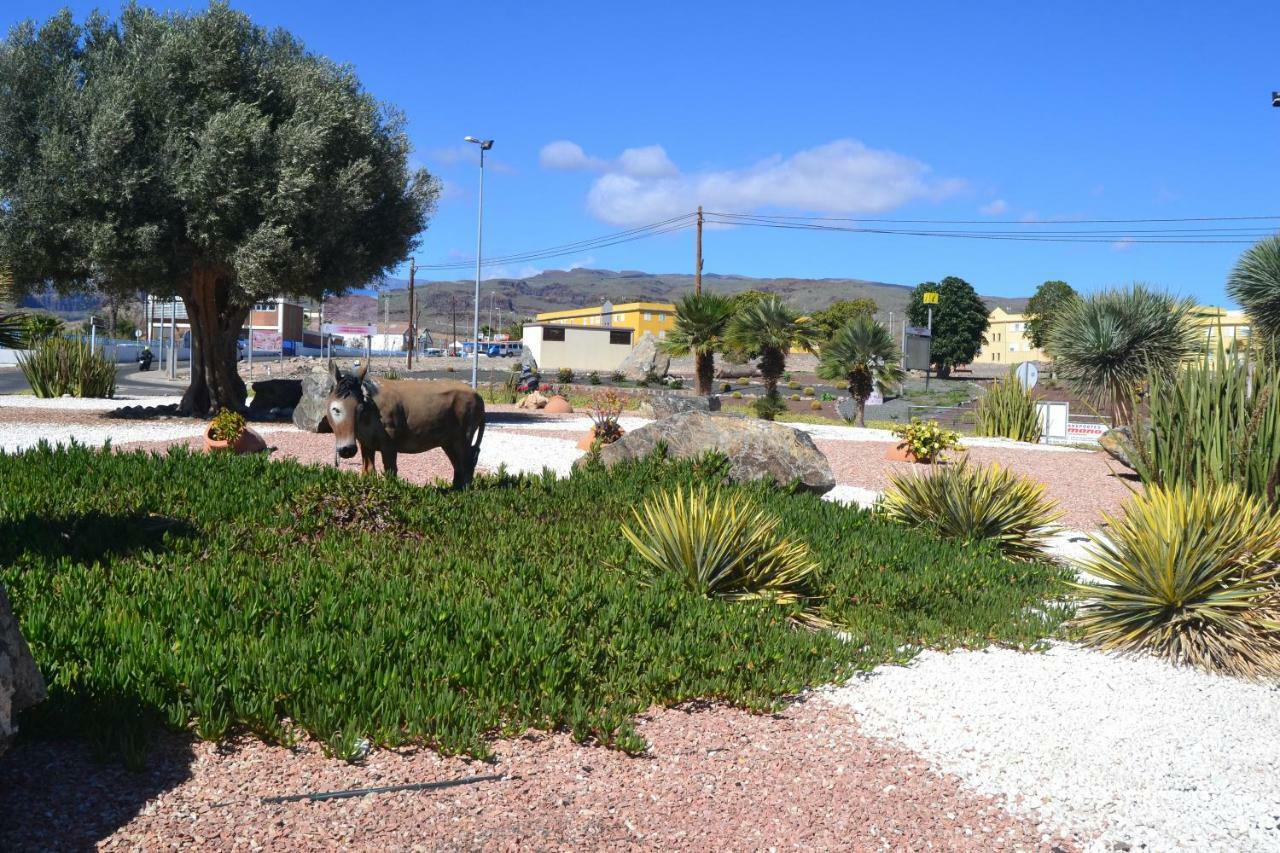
348 403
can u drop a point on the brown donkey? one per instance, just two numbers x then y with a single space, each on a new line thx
405 416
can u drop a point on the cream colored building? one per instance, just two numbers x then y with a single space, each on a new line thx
555 345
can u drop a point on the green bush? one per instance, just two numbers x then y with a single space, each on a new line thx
815 405
975 503
594 377
808 392
725 388
232 594
227 426
617 377
1213 423
564 375
58 366
676 383
828 397
1008 410
768 406
737 395
793 384
795 398
926 440
1191 575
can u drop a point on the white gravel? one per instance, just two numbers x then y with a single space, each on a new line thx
15 437
527 454
1130 750
853 496
836 432
81 404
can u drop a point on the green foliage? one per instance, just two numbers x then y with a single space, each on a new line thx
675 383
1213 423
1009 410
793 384
840 313
227 426
1255 284
808 391
767 407
58 366
860 354
975 503
926 440
720 544
13 329
1043 308
795 398
1189 574
201 156
828 397
170 593
606 408
815 405
768 329
700 324
38 327
564 375
393 374
745 298
1107 344
617 377
959 321
737 395
594 377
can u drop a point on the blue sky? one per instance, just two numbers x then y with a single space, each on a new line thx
941 111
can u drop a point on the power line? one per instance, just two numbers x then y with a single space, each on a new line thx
1006 221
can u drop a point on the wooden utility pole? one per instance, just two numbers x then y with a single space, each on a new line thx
697 264
413 331
453 309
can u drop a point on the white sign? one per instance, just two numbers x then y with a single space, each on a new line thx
1085 429
1053 420
270 341
1028 374
349 329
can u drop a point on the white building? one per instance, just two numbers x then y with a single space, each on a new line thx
599 348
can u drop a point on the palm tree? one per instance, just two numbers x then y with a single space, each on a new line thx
1255 284
13 325
862 353
701 322
768 329
1109 343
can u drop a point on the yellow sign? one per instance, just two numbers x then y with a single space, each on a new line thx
931 298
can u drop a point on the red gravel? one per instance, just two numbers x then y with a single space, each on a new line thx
1082 483
714 779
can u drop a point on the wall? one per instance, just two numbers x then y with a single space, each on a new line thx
1007 341
581 350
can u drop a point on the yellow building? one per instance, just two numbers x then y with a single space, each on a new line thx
655 317
1231 325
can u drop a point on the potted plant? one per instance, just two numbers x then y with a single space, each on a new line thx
923 441
230 431
606 407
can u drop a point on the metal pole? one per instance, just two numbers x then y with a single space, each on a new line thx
475 318
250 343
93 334
413 326
173 338
929 364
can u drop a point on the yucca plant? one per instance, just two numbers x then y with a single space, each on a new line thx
58 366
975 503
1212 423
723 546
1009 410
1255 284
1189 574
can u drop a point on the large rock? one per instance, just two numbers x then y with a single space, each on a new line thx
658 406
308 414
726 370
20 683
756 449
275 394
645 361
1118 443
846 409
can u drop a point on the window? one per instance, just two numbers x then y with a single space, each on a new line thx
550 333
620 336
662 334
662 318
648 315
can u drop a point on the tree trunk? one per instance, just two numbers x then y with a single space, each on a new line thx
944 371
215 328
705 365
862 411
772 363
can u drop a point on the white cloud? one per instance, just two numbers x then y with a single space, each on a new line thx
1124 244
843 176
566 156
995 208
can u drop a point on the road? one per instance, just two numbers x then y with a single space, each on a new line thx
129 382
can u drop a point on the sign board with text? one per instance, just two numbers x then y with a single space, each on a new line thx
930 298
266 340
350 329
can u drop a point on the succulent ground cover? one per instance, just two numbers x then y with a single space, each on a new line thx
228 594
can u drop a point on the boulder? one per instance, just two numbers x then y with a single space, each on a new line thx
756 449
274 394
726 370
644 360
20 683
309 413
533 401
1118 443
658 406
846 409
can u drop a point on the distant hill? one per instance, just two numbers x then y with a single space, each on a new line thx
562 289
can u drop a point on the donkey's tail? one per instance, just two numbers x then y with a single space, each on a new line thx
476 437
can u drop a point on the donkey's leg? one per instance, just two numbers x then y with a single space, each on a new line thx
389 462
366 460
460 457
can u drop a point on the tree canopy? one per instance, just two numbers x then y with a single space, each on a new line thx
837 315
1043 307
199 156
1255 284
959 321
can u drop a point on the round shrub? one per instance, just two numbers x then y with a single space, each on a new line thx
816 405
809 392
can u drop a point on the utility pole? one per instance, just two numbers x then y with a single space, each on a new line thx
697 263
453 308
413 331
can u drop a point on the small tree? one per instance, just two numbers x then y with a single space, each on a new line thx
837 315
959 321
1043 307
862 353
768 330
1255 284
202 156
701 322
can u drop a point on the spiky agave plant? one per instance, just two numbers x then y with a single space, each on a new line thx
1009 410
975 503
1189 574
1255 284
722 545
1108 343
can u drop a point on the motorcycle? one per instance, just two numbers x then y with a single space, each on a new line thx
145 358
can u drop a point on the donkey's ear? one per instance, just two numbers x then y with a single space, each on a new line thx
364 369
333 368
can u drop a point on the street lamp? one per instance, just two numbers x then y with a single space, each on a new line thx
485 145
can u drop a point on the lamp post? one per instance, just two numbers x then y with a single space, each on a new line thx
485 145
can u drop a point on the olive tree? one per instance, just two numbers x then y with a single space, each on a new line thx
199 156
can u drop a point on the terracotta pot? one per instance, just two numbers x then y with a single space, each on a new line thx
586 441
558 405
247 442
900 453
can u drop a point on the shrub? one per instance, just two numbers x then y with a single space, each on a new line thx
617 376
808 392
393 374
1009 410
1189 574
564 375
737 395
815 405
227 426
793 384
58 366
828 397
768 406
721 546
926 440
606 407
975 503
676 383
594 377
795 398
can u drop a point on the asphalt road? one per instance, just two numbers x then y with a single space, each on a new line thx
129 382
